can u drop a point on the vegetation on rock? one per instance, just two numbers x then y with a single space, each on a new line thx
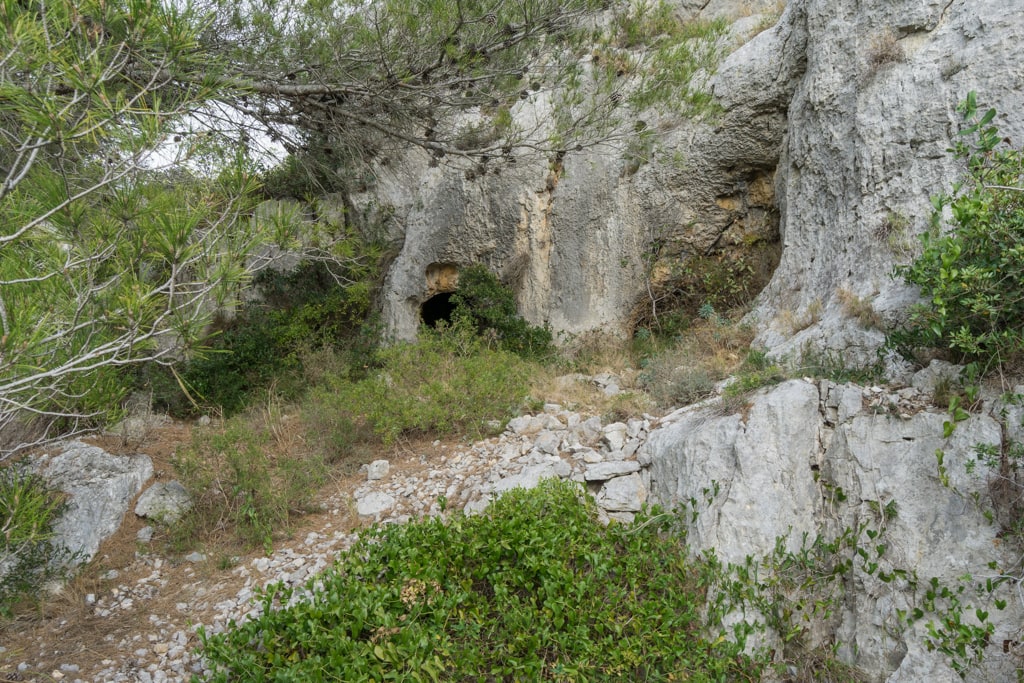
489 307
972 276
28 555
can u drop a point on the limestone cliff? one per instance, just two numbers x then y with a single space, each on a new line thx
867 130
808 461
832 137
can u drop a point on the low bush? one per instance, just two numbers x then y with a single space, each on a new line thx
450 380
533 589
247 478
269 341
490 307
28 555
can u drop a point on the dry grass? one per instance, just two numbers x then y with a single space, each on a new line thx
896 231
859 308
884 48
792 322
768 16
590 355
707 353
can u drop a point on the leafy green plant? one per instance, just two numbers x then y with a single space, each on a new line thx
28 555
490 307
270 340
533 589
756 371
972 277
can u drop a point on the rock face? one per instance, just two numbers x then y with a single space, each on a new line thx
574 243
869 122
809 460
100 487
832 137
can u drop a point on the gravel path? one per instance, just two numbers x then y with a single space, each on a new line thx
140 623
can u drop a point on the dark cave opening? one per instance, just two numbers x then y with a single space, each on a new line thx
437 308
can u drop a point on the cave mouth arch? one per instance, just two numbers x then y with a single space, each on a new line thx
438 308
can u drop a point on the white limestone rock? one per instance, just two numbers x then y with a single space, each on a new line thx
603 471
164 502
100 488
378 469
622 494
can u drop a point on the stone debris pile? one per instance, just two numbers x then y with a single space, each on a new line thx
606 458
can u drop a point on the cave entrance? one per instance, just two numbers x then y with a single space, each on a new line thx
437 308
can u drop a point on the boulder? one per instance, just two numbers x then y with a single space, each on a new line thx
374 504
622 494
809 460
378 469
100 487
164 502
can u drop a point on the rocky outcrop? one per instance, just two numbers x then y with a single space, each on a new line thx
809 460
758 480
867 130
832 137
100 488
575 240
556 443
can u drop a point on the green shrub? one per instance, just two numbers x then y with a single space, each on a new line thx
448 381
757 371
533 589
269 341
972 277
28 556
244 481
490 307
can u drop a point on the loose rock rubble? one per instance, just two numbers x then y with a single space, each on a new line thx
555 443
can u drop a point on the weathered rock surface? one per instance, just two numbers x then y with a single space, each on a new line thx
754 475
100 488
574 243
868 125
813 459
832 137
164 502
